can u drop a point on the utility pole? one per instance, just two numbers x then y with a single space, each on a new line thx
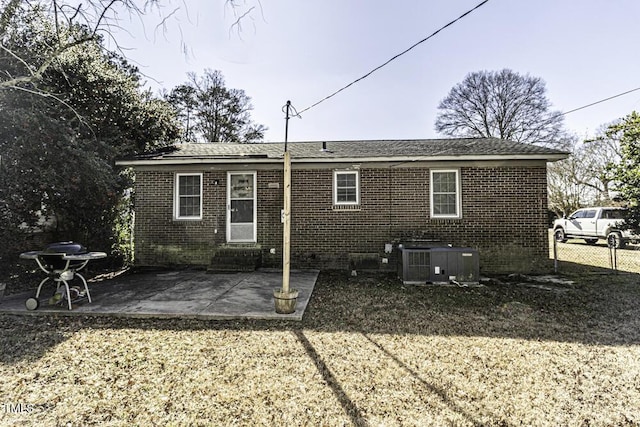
285 298
286 233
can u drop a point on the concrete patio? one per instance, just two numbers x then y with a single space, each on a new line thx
183 293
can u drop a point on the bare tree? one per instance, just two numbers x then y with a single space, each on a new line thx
586 178
96 18
243 11
501 104
564 193
597 157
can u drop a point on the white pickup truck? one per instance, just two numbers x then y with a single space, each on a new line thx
592 224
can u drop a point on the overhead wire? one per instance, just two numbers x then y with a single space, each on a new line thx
394 57
292 110
298 114
597 102
564 113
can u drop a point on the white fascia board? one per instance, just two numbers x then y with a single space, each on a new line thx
195 161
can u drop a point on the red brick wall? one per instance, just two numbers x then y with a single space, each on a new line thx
161 240
503 216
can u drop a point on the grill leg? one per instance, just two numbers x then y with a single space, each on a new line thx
40 286
66 287
86 288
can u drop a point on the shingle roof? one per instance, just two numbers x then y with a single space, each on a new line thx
371 150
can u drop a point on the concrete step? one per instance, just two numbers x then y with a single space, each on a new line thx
231 259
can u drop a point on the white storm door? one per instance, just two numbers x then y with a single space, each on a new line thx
241 207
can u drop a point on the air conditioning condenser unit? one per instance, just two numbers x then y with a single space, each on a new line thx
418 265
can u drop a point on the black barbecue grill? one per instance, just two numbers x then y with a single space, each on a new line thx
61 262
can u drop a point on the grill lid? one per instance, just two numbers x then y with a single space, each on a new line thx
69 248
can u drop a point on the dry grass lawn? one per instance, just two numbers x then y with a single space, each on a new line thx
577 255
369 352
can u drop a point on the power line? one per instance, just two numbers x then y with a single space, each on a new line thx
560 114
395 57
597 102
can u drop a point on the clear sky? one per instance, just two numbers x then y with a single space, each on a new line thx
585 50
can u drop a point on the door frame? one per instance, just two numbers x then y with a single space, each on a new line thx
255 206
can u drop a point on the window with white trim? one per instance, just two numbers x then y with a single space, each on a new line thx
346 188
445 193
188 196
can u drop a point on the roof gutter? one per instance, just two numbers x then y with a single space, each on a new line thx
274 160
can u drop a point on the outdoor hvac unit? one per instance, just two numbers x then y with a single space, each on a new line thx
437 264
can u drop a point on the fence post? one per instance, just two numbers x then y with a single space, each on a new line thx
613 258
555 255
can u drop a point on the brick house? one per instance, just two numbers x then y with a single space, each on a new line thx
350 201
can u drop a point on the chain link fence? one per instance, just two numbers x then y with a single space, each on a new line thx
576 255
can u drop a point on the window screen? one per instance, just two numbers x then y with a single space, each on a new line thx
189 196
346 188
445 194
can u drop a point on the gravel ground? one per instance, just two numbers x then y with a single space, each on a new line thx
368 352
